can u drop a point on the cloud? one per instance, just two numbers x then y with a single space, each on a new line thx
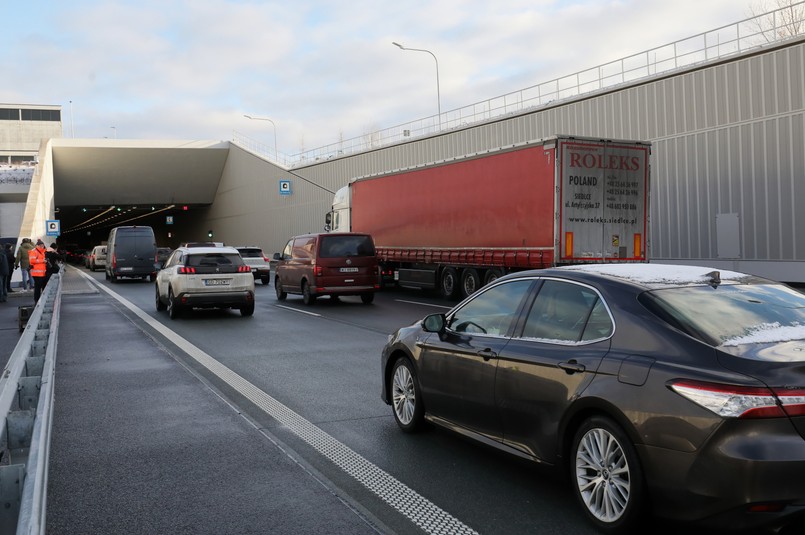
319 70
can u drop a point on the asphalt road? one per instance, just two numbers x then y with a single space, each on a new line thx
310 378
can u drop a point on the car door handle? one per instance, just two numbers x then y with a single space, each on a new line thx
487 354
571 367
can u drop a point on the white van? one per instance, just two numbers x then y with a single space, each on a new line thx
97 258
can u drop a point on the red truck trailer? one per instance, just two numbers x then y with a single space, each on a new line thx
459 224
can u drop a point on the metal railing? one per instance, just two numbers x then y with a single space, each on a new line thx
750 34
26 406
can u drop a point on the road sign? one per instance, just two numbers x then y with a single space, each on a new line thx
285 187
169 220
52 227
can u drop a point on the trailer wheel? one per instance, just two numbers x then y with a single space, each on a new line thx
449 283
492 275
470 282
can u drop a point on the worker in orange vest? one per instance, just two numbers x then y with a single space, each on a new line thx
38 267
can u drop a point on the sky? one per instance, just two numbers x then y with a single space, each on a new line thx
321 71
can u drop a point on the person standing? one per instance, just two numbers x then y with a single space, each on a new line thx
24 263
5 273
9 253
54 260
38 260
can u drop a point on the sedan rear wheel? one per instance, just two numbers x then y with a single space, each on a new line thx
406 399
247 310
607 476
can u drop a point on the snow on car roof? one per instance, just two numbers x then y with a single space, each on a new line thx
658 273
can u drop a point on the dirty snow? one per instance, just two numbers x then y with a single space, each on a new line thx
769 333
658 273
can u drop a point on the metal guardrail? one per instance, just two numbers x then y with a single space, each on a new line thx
750 34
26 406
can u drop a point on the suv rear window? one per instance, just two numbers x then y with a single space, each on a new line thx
214 259
340 246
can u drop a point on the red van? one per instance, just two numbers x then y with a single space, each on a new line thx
333 264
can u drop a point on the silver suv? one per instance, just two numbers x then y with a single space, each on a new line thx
257 262
205 277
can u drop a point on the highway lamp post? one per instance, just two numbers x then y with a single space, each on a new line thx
438 92
114 132
276 154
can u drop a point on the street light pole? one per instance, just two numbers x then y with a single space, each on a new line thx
276 154
114 131
438 92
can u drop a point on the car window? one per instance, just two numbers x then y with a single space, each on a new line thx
751 309
213 260
303 247
174 259
491 311
341 246
251 253
286 252
562 312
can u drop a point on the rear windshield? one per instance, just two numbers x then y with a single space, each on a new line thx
732 314
340 246
214 260
141 241
251 253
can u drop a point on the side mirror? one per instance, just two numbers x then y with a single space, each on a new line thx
435 323
328 218
277 256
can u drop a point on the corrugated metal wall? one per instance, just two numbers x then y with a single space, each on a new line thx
728 159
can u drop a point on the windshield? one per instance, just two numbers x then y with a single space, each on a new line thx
340 246
251 253
214 260
732 314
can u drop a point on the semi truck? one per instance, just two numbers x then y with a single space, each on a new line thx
456 225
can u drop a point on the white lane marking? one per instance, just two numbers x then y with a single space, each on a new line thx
292 309
422 304
418 509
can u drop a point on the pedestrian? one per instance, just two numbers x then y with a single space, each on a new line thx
5 273
39 263
9 253
54 261
24 263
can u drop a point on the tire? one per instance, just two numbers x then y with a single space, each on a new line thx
606 476
492 275
307 297
266 280
448 284
112 278
406 397
160 305
247 310
367 299
173 307
470 282
152 277
281 295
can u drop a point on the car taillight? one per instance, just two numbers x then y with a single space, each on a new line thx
318 270
732 401
244 269
186 270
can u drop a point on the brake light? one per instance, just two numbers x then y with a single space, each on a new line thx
318 270
186 270
732 401
244 269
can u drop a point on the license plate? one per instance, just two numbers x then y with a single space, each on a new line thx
349 270
217 282
126 268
